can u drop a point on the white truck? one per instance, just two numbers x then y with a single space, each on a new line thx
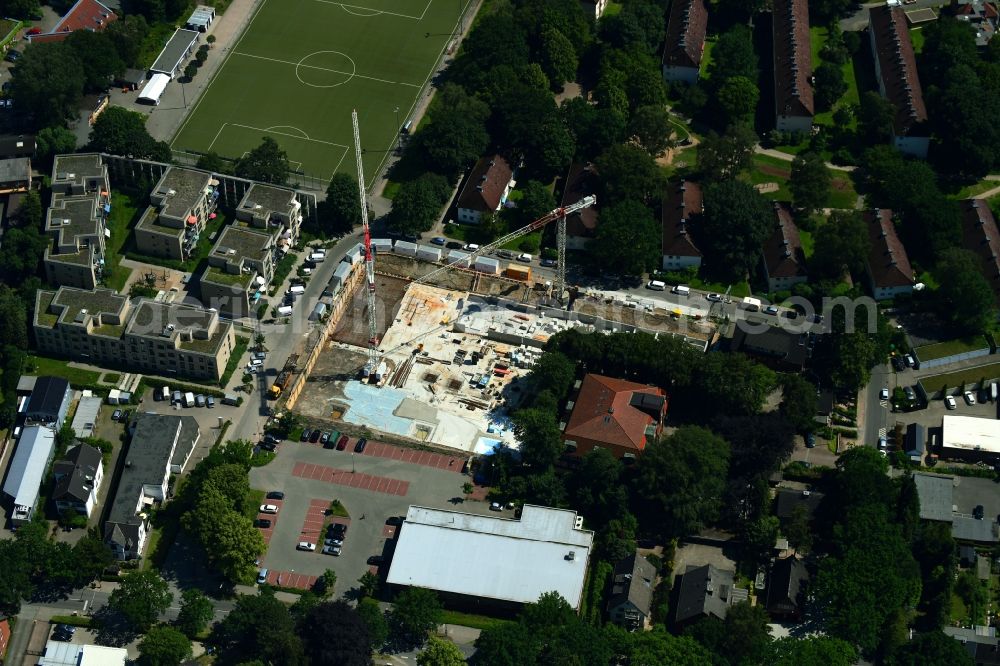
189 399
751 304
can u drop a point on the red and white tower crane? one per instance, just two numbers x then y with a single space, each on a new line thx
373 356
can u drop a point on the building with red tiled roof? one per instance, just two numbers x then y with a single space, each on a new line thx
784 260
614 414
793 91
683 202
84 15
979 14
889 270
981 236
685 41
581 226
485 190
896 72
4 636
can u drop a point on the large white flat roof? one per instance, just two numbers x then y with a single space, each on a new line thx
492 557
73 654
27 467
969 433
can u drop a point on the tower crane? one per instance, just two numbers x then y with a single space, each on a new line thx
373 356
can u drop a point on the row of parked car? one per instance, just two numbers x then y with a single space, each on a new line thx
331 439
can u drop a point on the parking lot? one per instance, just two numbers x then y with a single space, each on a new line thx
932 415
372 488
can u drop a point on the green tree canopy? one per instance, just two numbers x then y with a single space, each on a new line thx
629 174
334 633
127 35
841 243
164 646
737 98
122 132
798 402
627 238
440 652
558 57
267 163
417 205
810 181
651 128
48 83
375 622
99 57
195 614
594 128
966 297
415 612
259 627
733 55
140 598
830 85
876 118
340 212
456 136
725 156
817 650
736 221
52 141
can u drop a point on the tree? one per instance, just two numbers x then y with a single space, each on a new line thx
558 57
15 576
725 156
417 205
810 181
947 46
628 173
798 402
594 128
527 120
140 598
830 85
440 652
651 128
966 298
627 238
211 161
96 52
195 614
48 82
681 479
340 212
812 650
52 141
876 118
734 55
541 440
596 488
828 11
22 9
797 529
122 132
735 223
266 163
164 646
326 583
374 619
933 648
738 98
335 633
966 137
842 244
127 35
536 200
456 137
259 627
368 583
232 543
190 70
91 556
415 612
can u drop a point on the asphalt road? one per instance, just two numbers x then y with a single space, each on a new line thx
876 409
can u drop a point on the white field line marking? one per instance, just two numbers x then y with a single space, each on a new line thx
345 6
327 69
292 136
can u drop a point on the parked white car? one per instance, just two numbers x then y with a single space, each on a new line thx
268 508
305 545
949 402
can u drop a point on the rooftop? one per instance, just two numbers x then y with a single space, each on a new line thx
236 244
685 40
58 653
783 255
77 302
888 262
936 496
614 411
262 200
70 218
15 170
150 221
633 581
681 203
898 65
543 551
48 396
981 236
775 343
788 499
28 464
180 189
17 145
174 51
76 472
971 433
167 320
581 181
486 184
705 590
793 92
84 15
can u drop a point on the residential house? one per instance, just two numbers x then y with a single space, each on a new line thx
182 203
78 478
788 501
681 205
980 14
76 224
685 41
277 210
943 499
594 8
782 350
26 471
631 600
614 414
704 591
915 442
49 402
84 15
896 73
980 642
160 446
17 145
102 327
485 190
15 175
888 266
784 260
793 91
581 226
981 236
786 584
239 268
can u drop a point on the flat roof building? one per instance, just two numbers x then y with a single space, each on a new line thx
17 145
546 550
240 266
85 417
970 438
49 402
944 499
15 175
180 45
275 209
181 204
100 326
58 653
76 225
79 173
27 469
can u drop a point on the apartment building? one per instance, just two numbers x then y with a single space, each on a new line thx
784 259
682 202
181 204
684 45
896 73
581 180
76 221
981 236
486 189
274 209
99 326
889 270
239 268
793 91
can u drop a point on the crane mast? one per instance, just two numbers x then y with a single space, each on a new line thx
373 357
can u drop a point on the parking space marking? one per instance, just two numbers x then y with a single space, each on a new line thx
291 579
268 532
412 456
312 525
354 480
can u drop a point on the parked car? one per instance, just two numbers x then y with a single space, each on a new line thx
126 415
438 240
13 56
314 437
342 443
470 247
548 263
983 395
714 297
360 446
884 393
332 550
505 254
897 363
882 443
268 508
910 361
950 403
262 576
306 546
333 542
268 446
376 559
306 432
262 522
258 355
324 438
524 258
337 530
970 399
210 401
271 439
276 494
978 512
496 506
911 395
771 310
116 415
810 440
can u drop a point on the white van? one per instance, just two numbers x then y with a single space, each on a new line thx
682 290
284 310
165 393
297 289
993 391
656 285
317 257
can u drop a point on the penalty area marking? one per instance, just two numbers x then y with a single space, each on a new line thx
376 12
354 74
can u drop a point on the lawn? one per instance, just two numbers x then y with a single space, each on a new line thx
235 359
817 38
41 365
469 620
949 347
124 214
808 244
975 189
969 377
767 169
301 67
917 39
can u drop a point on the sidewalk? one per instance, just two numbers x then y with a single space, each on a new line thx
771 152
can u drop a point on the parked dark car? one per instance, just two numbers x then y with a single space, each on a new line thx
978 512
376 559
360 446
324 438
305 435
314 437
116 415
276 494
271 439
897 363
338 530
262 522
266 446
342 442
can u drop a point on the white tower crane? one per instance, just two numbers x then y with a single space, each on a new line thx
373 356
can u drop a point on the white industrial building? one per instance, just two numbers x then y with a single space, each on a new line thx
87 411
970 438
487 561
27 468
58 653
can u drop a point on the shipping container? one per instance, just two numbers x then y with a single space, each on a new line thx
318 311
458 258
519 272
487 265
428 253
406 248
382 244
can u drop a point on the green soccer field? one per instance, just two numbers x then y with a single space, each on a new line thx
301 66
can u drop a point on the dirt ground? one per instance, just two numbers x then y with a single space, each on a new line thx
353 326
457 280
